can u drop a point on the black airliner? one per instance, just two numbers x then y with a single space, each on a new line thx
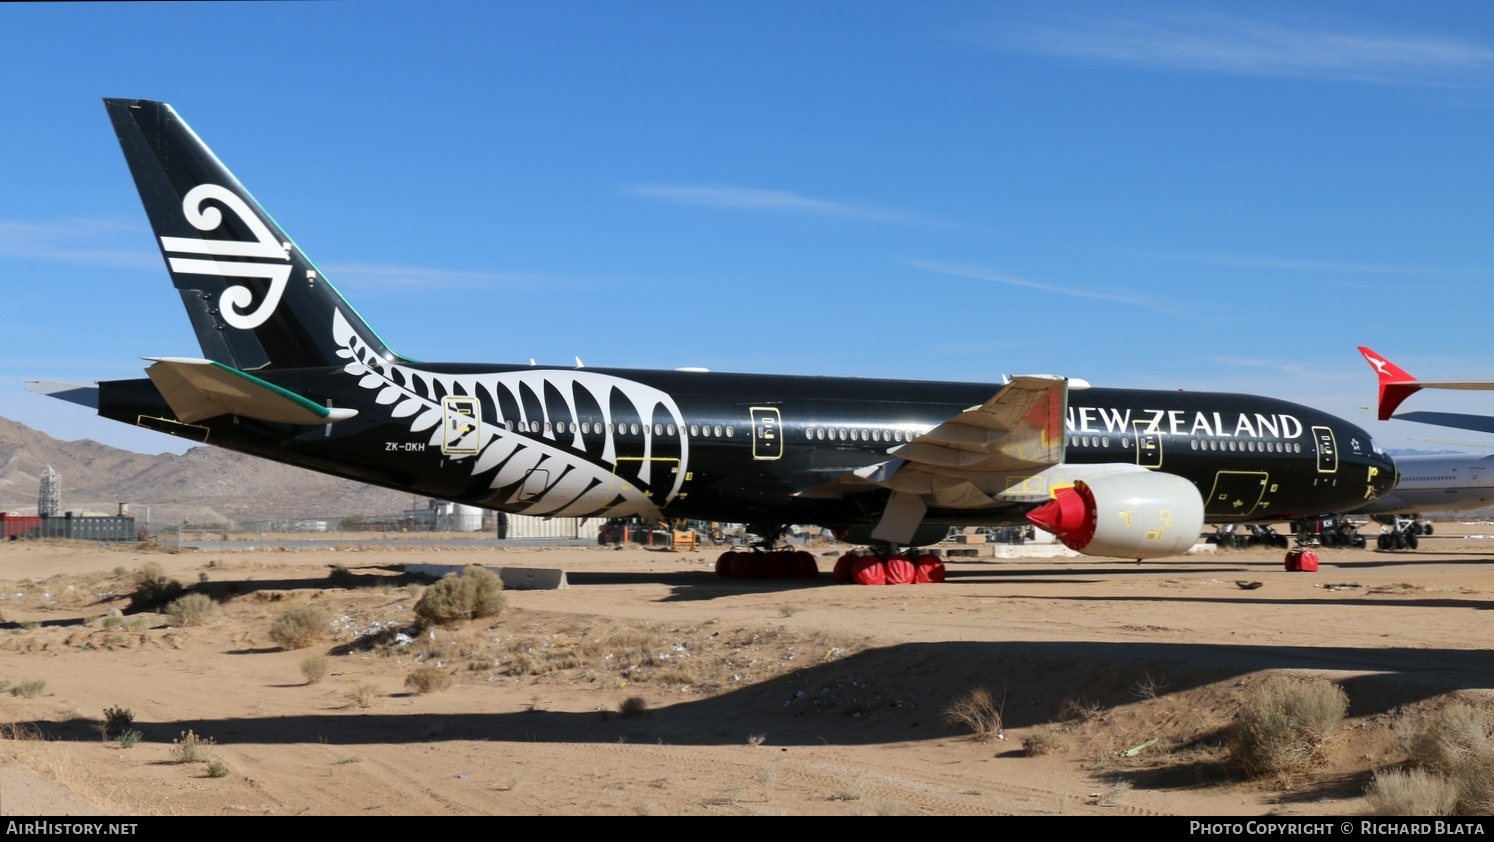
291 373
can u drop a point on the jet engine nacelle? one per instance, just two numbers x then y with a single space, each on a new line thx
1130 515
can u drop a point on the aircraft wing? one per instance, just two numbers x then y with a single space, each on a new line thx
200 389
967 461
1396 385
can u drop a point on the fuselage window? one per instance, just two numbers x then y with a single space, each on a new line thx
1105 442
585 428
876 435
670 429
658 429
730 432
694 430
633 428
508 425
547 427
1193 444
866 435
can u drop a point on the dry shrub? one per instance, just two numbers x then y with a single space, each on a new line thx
299 627
424 680
1457 744
190 748
364 696
152 588
1285 725
1039 743
977 710
190 610
633 706
1413 792
314 669
1078 709
475 593
117 720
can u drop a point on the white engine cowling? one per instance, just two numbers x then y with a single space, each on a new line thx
1128 515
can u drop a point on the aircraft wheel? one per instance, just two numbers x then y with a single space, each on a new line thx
1426 530
1360 541
1398 541
1411 542
1383 542
1415 529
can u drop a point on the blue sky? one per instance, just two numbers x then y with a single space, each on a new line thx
1154 195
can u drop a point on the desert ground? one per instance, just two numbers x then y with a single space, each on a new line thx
650 686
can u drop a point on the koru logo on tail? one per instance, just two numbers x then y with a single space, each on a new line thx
237 298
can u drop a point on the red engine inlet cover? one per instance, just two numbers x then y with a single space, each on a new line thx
1070 515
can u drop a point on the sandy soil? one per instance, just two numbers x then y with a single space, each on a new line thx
650 686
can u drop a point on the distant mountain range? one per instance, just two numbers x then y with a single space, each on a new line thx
205 484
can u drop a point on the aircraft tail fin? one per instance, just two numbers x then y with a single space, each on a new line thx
255 299
1395 384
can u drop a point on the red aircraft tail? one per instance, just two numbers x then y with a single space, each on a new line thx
1395 384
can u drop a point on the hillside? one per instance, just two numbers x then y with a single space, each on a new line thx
203 484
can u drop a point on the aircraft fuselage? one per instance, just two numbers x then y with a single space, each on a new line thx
753 448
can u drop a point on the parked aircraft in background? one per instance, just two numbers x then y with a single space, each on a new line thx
1396 385
293 374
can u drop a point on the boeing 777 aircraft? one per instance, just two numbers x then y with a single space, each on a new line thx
290 372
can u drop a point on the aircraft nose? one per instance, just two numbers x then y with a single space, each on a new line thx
1384 475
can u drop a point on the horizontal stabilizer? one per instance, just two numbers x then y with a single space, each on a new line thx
202 389
71 392
1456 420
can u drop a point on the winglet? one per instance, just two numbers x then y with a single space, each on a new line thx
1395 384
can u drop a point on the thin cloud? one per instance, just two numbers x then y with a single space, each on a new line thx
1226 44
84 242
981 273
1258 261
775 201
381 276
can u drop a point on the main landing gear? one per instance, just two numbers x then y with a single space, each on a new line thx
1401 533
1328 531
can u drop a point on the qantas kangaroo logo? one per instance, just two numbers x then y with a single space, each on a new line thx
238 298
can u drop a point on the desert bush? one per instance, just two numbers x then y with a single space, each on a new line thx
633 706
190 610
1457 743
190 748
117 720
1410 792
299 627
152 588
129 739
977 710
314 669
217 769
1079 709
474 593
364 696
1285 725
30 689
428 680
1039 743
